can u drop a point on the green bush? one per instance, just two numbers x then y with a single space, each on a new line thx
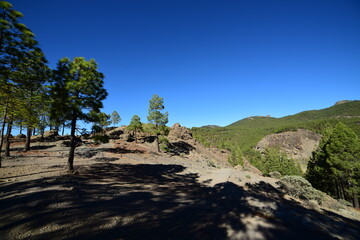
100 139
345 203
299 187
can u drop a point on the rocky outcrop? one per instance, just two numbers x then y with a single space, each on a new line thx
50 135
297 145
20 136
179 132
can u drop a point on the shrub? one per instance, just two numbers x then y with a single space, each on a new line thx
299 187
345 203
275 174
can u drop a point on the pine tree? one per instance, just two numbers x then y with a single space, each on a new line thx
77 91
157 117
33 73
335 167
343 151
115 118
135 125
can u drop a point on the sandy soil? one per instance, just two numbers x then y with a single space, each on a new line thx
129 191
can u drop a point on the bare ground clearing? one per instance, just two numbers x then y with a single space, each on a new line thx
128 191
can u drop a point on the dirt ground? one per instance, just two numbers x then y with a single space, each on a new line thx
129 191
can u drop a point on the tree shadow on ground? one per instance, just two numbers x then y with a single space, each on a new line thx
120 150
180 147
106 159
115 201
21 149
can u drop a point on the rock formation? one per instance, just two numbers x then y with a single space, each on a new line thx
297 145
179 132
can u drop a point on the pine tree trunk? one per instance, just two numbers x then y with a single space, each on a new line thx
28 139
157 142
135 136
3 127
342 194
70 164
21 128
63 130
7 139
356 200
337 188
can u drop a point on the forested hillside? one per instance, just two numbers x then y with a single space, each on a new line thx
243 135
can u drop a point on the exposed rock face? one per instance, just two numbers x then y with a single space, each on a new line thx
297 145
179 132
341 102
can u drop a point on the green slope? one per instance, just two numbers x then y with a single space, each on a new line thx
344 110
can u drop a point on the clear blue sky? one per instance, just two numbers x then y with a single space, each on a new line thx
213 62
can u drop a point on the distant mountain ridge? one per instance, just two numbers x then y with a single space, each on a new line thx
211 126
341 109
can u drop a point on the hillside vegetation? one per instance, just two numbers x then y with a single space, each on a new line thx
243 135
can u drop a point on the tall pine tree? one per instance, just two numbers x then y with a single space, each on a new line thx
77 92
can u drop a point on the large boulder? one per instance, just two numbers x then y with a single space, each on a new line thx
178 132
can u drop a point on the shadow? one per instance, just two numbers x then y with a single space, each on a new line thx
30 174
87 153
117 201
147 139
42 147
105 159
20 149
119 150
180 147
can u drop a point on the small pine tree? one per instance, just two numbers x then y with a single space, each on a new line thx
135 125
115 118
157 117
